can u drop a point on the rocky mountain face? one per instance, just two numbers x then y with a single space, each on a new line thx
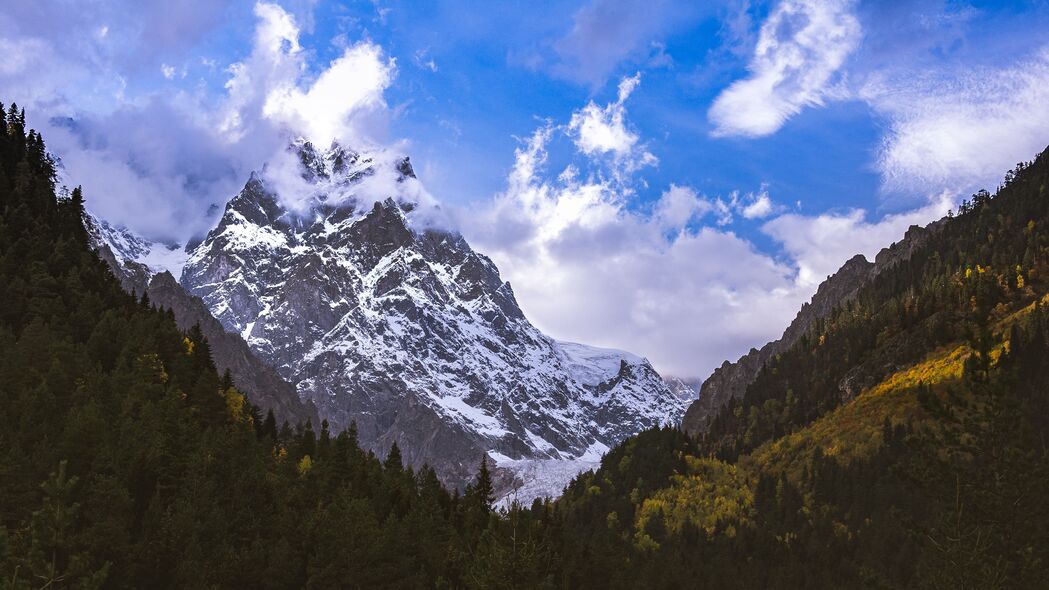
381 319
141 267
685 388
730 380
124 252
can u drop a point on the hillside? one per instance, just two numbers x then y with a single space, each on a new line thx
898 442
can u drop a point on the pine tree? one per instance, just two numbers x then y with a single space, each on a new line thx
75 214
482 493
269 426
226 382
393 459
54 556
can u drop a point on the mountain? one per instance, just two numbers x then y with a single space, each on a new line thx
730 380
894 438
685 388
387 321
143 267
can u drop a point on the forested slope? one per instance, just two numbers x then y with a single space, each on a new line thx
901 442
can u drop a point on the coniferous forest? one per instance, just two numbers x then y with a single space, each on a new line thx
128 461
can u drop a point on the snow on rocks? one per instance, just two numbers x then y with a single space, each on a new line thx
385 320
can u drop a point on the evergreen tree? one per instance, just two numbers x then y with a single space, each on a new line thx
393 458
481 494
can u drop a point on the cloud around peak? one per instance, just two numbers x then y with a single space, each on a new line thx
157 162
272 82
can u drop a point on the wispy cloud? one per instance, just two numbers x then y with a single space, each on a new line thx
951 124
960 128
424 60
801 47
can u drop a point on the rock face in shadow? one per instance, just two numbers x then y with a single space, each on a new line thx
263 385
382 318
731 380
260 382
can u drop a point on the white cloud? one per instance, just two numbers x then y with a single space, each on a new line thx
750 205
603 130
167 71
678 206
819 245
801 46
759 207
273 80
960 129
586 267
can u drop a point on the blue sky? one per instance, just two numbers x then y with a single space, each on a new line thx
673 178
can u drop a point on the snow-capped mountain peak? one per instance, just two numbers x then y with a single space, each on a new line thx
401 327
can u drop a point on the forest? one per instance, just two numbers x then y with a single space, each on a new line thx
128 461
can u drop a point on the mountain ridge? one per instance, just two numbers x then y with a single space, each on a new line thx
730 380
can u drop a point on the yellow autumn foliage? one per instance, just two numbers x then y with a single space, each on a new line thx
235 402
305 465
710 493
153 363
854 429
